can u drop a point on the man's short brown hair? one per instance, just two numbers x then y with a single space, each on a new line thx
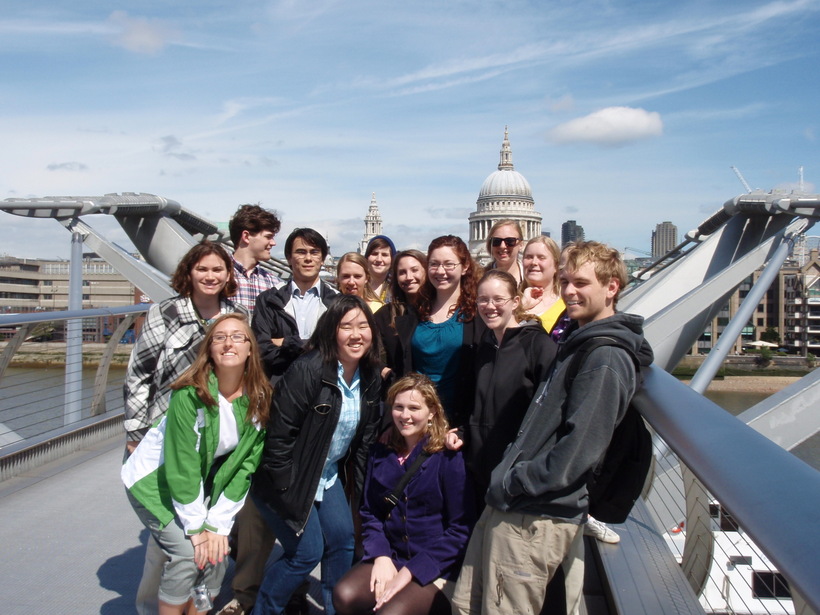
606 261
254 219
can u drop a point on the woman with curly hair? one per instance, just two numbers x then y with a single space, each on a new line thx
414 541
439 338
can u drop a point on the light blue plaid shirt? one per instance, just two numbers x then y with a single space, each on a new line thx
345 430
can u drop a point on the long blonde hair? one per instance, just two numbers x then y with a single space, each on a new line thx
368 294
256 384
438 427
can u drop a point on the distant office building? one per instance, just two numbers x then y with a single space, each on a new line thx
35 285
505 194
372 224
664 239
571 231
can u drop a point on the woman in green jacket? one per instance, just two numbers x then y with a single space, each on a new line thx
189 476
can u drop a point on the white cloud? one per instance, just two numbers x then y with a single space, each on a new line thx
67 166
613 126
140 35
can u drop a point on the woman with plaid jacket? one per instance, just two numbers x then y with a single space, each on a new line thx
167 346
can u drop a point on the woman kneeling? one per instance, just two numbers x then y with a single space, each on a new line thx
415 537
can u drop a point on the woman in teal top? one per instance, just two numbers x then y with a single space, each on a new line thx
447 332
190 475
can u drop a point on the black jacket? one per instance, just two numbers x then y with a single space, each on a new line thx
401 356
304 415
507 377
271 320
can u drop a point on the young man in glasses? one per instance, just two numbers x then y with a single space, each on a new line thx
538 501
283 320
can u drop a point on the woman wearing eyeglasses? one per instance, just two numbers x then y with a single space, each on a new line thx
514 357
439 338
168 344
504 243
191 472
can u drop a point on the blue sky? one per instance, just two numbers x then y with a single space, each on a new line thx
621 114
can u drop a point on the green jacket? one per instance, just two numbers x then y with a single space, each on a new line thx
173 465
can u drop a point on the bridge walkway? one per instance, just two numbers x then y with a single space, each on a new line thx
71 542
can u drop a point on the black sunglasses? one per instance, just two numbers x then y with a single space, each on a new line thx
509 241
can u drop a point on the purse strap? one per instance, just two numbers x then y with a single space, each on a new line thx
392 498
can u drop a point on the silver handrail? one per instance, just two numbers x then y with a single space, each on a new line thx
773 495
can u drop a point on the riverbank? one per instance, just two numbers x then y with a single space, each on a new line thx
758 383
52 354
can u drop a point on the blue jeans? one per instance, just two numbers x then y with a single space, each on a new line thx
328 538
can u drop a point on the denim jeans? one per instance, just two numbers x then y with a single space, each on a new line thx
328 538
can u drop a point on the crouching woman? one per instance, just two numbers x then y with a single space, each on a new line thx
190 475
417 513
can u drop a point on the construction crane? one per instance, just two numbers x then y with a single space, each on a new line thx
637 251
741 178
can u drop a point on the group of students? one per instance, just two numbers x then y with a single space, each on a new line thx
374 425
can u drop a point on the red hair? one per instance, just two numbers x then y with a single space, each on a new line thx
469 280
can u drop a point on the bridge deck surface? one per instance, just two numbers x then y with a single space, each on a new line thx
71 543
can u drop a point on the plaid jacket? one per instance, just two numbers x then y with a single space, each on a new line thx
166 347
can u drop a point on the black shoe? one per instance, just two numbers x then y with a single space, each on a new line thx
298 603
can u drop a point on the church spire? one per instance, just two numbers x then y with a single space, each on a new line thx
372 224
506 163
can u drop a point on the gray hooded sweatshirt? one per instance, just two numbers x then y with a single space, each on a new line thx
544 471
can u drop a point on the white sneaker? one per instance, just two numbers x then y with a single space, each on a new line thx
232 608
600 531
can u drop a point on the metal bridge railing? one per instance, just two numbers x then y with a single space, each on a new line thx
751 488
54 405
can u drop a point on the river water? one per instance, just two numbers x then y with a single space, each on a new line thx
31 402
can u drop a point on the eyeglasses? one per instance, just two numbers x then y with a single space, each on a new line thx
433 266
236 338
508 241
496 301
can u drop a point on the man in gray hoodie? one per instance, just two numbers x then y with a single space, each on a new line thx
538 502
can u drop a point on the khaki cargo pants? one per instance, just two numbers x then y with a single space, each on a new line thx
509 561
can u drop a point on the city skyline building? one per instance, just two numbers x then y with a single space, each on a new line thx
505 194
372 224
571 231
664 238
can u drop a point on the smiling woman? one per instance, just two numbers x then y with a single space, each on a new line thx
353 278
325 410
189 476
168 344
414 538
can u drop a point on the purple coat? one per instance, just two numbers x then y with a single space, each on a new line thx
429 528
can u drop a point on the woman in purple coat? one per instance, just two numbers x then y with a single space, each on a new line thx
413 549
